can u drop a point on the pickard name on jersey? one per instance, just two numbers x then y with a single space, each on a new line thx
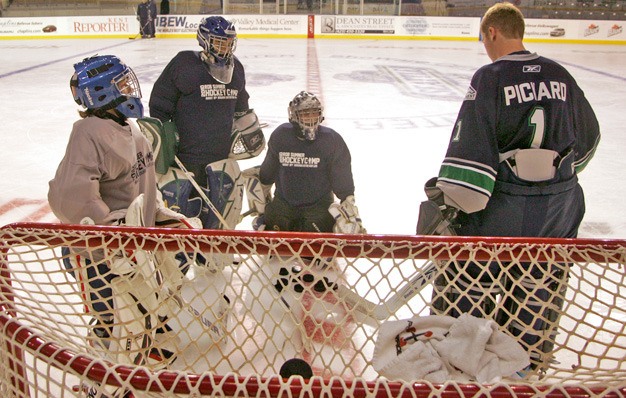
519 101
218 92
297 159
534 91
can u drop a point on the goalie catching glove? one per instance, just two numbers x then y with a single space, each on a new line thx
347 219
435 217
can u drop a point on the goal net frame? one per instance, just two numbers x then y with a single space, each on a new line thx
32 352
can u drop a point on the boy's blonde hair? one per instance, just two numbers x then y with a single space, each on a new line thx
505 17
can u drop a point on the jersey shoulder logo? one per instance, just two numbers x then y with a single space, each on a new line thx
471 94
532 68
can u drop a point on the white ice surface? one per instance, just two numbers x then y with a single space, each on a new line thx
393 101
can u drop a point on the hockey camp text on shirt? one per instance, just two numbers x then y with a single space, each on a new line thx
217 92
297 159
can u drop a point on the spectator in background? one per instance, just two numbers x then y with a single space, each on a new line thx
146 14
165 7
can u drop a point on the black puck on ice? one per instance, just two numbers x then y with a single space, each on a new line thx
297 367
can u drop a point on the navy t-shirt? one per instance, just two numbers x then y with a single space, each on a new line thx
201 107
306 171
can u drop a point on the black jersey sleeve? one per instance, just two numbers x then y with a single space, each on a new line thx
587 130
468 172
165 93
342 181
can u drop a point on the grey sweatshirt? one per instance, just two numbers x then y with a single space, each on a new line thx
105 167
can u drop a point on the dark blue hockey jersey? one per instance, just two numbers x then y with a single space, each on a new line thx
519 101
306 171
201 107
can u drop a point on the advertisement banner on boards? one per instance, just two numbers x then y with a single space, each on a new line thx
244 24
79 26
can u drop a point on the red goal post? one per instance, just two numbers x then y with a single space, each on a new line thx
276 313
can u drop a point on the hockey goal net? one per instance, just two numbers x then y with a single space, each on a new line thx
243 303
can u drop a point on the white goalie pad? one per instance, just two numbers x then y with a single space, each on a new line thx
178 193
226 187
247 139
136 305
258 195
136 298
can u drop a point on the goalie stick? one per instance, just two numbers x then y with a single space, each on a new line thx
201 193
383 310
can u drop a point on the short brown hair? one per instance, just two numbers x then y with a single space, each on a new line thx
505 17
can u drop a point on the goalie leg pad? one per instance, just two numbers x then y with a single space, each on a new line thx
471 288
178 194
532 308
94 282
226 188
257 194
136 306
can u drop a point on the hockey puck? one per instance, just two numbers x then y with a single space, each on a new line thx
296 367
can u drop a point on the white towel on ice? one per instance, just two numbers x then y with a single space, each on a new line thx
439 348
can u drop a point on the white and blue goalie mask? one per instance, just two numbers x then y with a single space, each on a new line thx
105 82
218 38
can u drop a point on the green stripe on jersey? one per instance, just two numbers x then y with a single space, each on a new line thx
472 177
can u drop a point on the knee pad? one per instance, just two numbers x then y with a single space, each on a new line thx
532 307
226 187
179 194
466 288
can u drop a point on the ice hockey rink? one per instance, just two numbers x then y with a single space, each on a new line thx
394 102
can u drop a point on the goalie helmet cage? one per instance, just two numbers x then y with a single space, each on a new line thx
278 311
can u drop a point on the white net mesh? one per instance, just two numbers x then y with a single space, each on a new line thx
217 313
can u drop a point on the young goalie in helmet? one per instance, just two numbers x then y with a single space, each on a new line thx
310 164
108 164
203 94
